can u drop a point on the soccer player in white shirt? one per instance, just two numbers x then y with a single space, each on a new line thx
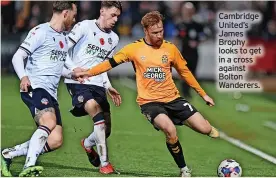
92 41
46 47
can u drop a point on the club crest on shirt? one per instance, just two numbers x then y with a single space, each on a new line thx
143 58
110 41
44 101
164 59
80 98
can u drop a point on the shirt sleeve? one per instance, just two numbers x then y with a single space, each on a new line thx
124 55
18 63
77 32
34 40
180 65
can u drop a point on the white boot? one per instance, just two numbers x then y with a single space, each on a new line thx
185 172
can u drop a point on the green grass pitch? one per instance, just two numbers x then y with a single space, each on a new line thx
135 148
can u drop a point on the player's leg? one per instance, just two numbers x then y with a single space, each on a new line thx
201 125
94 110
182 112
164 123
54 140
45 117
158 116
107 118
94 107
80 95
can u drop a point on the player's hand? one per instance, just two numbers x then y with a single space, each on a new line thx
115 96
76 70
209 101
25 83
81 76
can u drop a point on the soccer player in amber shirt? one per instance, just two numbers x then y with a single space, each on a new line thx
158 97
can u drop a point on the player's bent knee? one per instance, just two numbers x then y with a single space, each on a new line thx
206 129
92 107
46 117
58 141
55 139
91 103
170 132
55 142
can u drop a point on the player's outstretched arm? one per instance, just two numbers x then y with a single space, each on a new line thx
98 69
187 75
120 57
180 65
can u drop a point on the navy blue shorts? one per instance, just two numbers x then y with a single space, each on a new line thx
40 99
81 93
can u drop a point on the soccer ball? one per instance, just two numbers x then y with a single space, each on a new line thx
229 168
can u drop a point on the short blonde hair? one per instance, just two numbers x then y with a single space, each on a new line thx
151 18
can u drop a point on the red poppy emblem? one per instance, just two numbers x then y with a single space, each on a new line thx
102 41
61 44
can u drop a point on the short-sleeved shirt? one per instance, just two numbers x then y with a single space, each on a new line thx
92 46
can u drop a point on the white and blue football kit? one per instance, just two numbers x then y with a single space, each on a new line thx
47 50
91 47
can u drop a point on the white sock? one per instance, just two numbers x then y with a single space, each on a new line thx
18 150
90 141
99 130
37 142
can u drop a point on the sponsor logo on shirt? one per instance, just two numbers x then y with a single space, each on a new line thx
110 41
155 73
57 55
96 50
